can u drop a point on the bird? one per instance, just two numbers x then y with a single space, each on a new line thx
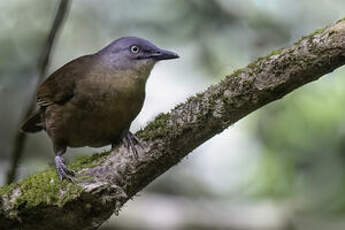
92 100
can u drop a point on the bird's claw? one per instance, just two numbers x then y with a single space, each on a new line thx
130 141
62 170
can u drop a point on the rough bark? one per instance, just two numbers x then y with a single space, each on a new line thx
108 180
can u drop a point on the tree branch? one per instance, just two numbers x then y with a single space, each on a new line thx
108 180
43 63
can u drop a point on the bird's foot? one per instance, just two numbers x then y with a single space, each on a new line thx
62 170
130 141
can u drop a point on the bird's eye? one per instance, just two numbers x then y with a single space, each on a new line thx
135 49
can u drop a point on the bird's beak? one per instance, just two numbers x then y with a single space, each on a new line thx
161 54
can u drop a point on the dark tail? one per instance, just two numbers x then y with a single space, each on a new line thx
33 124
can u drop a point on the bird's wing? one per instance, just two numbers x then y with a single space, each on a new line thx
59 87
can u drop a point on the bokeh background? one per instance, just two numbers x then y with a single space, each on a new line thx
282 167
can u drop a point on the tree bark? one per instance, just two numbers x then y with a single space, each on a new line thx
108 180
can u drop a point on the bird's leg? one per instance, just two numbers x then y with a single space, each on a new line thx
130 141
61 168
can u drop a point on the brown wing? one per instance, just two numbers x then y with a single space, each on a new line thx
59 87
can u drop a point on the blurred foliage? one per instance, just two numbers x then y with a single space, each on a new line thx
303 139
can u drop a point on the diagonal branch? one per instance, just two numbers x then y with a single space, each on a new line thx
43 63
108 180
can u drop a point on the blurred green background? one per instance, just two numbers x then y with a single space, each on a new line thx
282 167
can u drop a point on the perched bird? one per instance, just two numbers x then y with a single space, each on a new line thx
92 100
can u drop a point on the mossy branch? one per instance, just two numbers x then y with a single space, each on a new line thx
108 180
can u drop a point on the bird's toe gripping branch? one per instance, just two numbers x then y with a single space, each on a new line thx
62 170
130 141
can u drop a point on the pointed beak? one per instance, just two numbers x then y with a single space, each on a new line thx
161 54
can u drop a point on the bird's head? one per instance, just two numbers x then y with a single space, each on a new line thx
132 53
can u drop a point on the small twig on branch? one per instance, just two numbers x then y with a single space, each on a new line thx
42 67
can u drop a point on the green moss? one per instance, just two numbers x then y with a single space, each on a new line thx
274 52
5 189
43 188
237 72
157 128
253 65
318 31
88 161
199 95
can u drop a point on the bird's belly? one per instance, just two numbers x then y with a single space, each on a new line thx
97 118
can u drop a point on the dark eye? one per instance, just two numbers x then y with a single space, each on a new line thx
135 49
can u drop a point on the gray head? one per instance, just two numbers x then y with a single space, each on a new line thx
134 53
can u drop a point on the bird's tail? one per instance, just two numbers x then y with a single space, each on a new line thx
33 124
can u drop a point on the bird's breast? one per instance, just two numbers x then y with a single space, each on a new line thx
102 108
109 94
